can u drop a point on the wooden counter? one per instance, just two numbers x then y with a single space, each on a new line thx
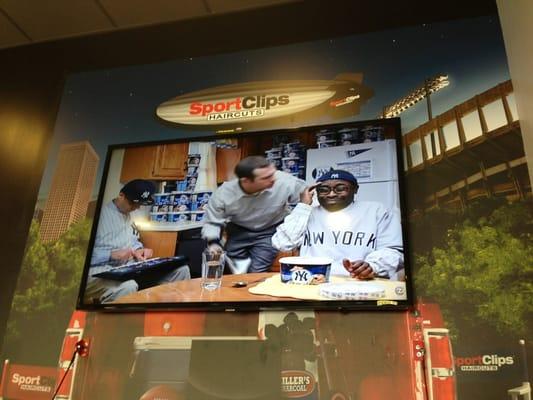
191 291
272 290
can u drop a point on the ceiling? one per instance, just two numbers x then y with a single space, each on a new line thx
24 22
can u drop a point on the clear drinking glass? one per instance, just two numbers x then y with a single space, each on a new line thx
212 269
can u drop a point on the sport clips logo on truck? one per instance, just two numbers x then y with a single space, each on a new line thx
249 106
33 383
486 362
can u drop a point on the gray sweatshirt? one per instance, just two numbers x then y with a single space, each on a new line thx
256 211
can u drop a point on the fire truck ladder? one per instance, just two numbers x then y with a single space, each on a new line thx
524 389
72 335
431 337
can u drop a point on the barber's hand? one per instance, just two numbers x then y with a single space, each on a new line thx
143 254
358 269
307 195
122 254
215 248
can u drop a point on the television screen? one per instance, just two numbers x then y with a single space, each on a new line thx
302 218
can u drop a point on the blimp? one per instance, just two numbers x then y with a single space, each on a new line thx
255 105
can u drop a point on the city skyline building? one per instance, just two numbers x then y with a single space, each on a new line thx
71 189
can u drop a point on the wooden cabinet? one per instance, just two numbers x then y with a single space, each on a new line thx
162 243
253 146
166 161
137 163
227 159
171 161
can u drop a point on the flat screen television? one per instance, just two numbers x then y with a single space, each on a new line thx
341 245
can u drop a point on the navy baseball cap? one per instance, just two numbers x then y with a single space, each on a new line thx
338 174
139 191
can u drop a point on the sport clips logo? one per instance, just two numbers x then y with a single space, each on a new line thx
249 106
487 362
35 383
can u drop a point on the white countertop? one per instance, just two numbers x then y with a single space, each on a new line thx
168 226
380 290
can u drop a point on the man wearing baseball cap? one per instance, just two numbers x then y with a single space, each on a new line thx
117 242
363 238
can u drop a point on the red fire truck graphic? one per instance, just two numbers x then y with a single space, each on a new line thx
324 355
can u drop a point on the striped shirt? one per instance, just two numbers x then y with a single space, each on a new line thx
115 231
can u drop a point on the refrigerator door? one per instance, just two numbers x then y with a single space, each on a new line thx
373 164
368 162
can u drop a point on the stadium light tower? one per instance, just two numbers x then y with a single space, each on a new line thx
431 85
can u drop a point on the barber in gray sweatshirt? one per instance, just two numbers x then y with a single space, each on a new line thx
250 208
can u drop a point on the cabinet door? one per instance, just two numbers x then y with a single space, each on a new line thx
162 243
227 159
138 163
171 161
251 147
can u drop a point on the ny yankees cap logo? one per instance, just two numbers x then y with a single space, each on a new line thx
338 174
139 191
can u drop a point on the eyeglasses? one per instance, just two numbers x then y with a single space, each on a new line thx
325 189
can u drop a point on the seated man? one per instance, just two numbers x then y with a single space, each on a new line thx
363 239
117 243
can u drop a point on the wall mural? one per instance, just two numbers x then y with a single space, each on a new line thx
469 216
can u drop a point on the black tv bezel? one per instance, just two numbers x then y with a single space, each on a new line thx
321 305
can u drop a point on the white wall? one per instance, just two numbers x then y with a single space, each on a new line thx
516 17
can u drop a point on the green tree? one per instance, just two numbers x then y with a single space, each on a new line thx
483 274
45 295
67 255
34 283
